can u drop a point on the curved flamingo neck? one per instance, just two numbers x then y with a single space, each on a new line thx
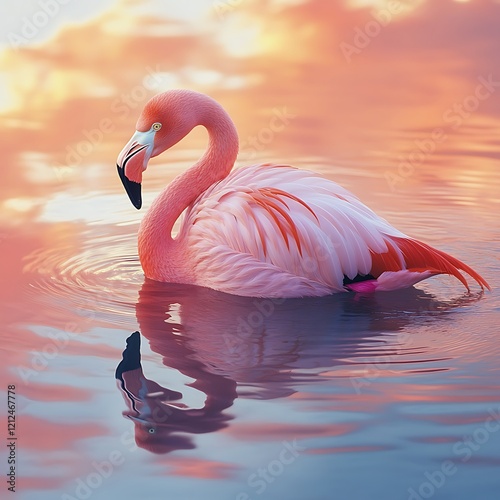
157 248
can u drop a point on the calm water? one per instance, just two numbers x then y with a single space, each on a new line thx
127 388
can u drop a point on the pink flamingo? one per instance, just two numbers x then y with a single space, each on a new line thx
263 230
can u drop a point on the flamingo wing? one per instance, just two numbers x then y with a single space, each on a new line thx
277 231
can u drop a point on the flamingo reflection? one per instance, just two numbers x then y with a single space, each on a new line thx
242 347
155 410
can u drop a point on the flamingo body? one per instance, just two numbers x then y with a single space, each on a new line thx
263 230
277 231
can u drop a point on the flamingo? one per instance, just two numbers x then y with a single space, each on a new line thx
266 230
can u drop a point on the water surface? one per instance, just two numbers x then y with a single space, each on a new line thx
130 388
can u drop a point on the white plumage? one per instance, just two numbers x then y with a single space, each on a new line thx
233 233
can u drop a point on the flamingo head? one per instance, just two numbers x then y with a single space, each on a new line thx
165 120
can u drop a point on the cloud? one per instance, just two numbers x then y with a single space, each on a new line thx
417 66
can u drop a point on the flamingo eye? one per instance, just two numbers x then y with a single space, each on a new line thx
156 126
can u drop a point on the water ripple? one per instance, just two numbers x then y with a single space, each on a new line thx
104 270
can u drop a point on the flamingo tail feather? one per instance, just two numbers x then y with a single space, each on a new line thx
420 257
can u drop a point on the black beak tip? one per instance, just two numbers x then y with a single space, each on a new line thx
133 189
137 203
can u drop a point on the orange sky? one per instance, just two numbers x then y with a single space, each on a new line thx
361 80
400 77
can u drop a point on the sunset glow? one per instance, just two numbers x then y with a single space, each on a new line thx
358 395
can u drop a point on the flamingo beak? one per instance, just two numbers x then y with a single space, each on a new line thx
132 188
132 161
